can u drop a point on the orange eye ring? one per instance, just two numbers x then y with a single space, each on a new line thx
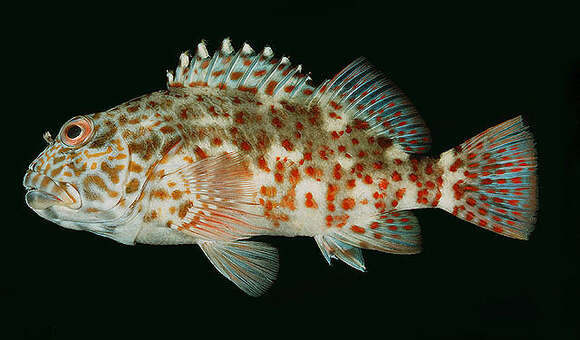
76 131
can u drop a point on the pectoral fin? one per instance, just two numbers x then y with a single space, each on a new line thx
252 266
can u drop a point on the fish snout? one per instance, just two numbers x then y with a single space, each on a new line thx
44 192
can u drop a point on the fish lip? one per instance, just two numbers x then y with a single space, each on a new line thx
35 192
69 197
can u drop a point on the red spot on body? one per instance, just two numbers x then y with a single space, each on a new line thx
469 216
368 179
455 165
337 174
351 183
262 164
200 153
279 177
239 117
458 190
348 203
331 193
270 87
400 193
216 141
310 202
287 145
383 184
357 229
277 123
395 176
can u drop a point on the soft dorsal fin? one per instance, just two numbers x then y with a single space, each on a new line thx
376 103
359 91
244 70
252 266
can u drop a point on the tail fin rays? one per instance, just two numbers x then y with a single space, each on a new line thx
490 180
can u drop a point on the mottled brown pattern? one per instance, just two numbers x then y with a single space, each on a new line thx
132 186
112 172
145 149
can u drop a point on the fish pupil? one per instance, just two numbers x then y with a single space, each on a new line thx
73 131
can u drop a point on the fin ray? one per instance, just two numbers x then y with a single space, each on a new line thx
491 180
252 266
245 70
395 232
221 193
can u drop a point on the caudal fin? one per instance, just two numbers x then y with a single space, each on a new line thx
490 180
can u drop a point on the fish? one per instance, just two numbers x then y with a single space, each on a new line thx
242 144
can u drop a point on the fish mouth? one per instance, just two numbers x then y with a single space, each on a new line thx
43 192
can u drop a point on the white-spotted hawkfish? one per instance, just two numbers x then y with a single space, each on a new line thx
241 144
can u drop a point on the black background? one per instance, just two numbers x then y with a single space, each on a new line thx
465 68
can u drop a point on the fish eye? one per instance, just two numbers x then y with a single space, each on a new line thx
73 131
76 131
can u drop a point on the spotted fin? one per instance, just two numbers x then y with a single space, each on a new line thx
490 180
334 248
252 266
220 198
244 70
376 104
396 232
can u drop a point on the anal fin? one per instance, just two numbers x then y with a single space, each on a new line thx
252 266
396 232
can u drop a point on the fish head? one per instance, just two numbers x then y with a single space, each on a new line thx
79 180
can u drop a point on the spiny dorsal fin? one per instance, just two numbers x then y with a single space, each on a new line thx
244 70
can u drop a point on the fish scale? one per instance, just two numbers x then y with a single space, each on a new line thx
241 145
